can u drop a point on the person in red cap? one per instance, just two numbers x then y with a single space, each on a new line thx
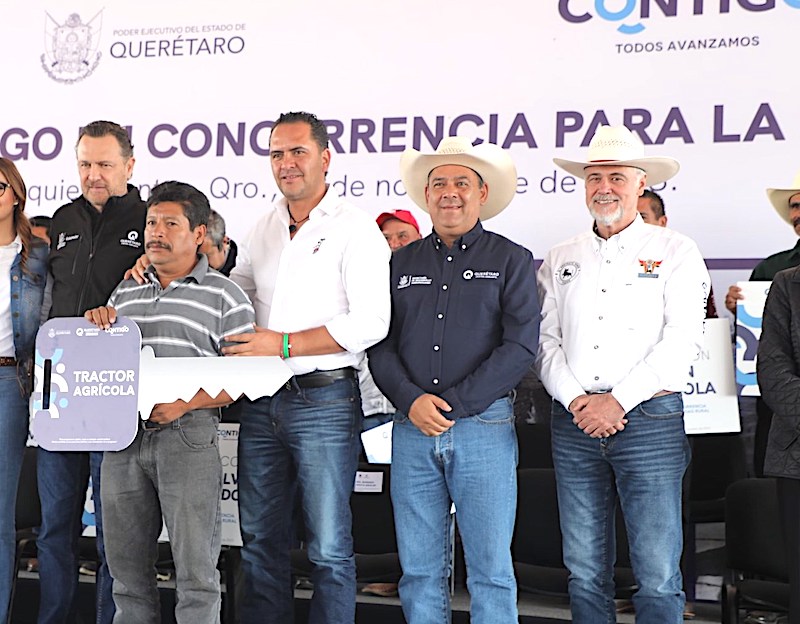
399 227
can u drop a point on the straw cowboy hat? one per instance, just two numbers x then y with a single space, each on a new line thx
780 198
616 145
489 161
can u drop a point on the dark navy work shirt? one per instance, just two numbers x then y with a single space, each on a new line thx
465 322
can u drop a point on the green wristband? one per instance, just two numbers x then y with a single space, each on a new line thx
286 346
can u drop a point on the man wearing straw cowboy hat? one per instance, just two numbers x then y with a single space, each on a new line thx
464 331
786 202
622 319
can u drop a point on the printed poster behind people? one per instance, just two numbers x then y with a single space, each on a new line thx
228 436
710 404
748 332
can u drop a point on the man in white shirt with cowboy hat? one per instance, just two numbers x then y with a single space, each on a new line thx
622 319
464 331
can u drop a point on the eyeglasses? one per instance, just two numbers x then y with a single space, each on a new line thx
3 187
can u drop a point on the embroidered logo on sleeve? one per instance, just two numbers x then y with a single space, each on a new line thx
567 272
413 280
649 267
63 239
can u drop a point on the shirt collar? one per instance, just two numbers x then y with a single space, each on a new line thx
464 242
633 232
15 245
326 205
198 273
115 200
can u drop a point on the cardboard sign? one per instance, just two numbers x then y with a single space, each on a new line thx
378 444
229 500
749 312
86 382
367 481
710 403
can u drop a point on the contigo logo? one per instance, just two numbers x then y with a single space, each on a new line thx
632 13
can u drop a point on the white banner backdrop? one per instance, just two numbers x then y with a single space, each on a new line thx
198 83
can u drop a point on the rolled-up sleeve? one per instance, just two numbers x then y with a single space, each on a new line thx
365 278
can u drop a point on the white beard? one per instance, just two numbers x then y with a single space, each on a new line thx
609 218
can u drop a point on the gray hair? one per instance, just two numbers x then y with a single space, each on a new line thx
216 229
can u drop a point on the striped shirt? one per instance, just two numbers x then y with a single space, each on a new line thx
190 316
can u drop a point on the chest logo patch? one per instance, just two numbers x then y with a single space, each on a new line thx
63 239
413 280
567 272
470 274
649 267
131 240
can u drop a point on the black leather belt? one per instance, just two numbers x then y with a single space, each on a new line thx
322 378
7 361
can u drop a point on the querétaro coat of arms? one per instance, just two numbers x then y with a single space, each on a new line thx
71 48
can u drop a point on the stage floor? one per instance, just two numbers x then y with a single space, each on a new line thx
375 610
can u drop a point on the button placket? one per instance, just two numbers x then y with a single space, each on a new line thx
442 301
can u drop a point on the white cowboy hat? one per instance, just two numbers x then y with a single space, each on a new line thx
489 161
780 198
616 145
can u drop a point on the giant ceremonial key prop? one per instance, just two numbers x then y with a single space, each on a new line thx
90 383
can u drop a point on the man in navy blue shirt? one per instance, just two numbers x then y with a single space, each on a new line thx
464 330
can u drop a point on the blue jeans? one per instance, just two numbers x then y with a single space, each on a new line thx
13 434
474 465
172 472
306 439
63 479
644 466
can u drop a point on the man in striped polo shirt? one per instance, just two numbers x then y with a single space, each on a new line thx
172 469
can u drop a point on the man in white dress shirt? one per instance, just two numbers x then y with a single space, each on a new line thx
622 319
317 271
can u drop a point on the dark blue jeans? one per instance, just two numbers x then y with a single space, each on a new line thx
62 479
644 466
305 440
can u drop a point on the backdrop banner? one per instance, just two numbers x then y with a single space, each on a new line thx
199 84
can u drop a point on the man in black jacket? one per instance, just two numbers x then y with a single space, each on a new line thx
94 239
